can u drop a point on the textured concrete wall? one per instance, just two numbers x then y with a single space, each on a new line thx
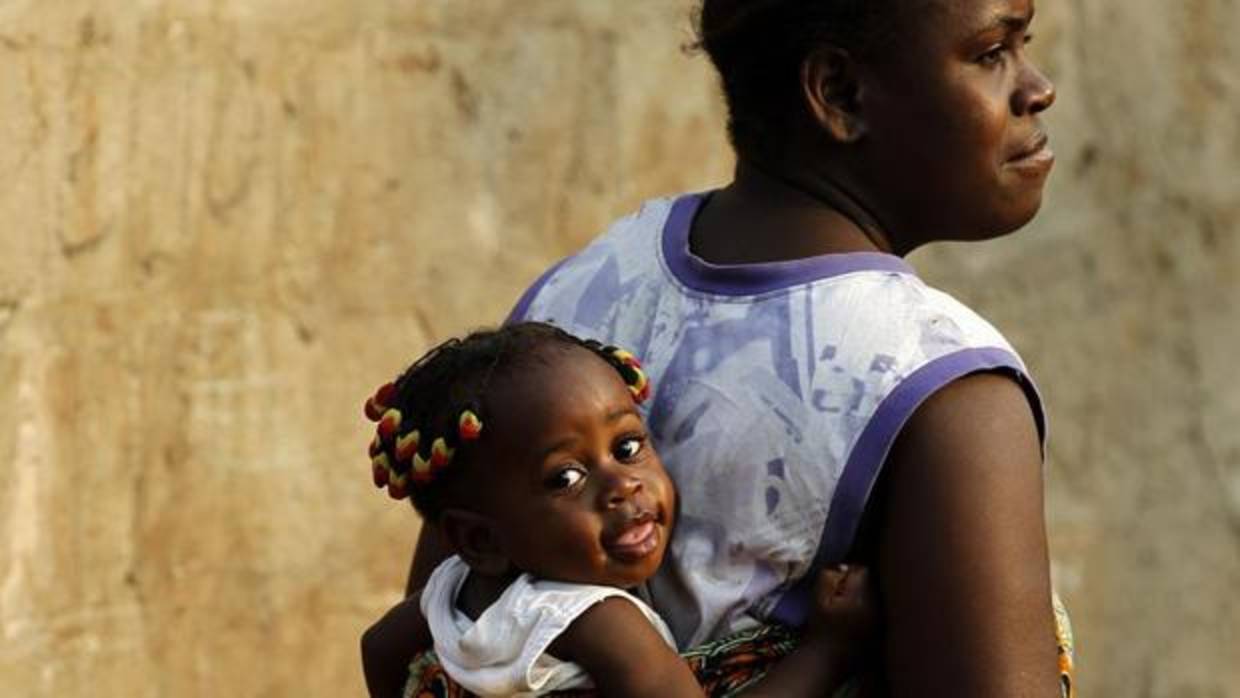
226 221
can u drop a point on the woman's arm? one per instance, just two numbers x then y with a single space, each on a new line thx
389 644
962 553
430 550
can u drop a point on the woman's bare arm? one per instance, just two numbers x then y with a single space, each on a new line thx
431 549
962 552
389 644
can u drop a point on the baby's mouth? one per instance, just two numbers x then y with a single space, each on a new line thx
638 538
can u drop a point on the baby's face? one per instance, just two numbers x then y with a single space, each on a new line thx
576 488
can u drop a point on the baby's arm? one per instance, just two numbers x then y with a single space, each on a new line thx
626 657
624 654
389 644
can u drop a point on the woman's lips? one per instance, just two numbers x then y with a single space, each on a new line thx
1035 157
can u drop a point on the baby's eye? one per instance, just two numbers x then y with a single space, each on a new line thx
565 478
629 447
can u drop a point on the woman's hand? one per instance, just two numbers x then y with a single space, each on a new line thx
844 625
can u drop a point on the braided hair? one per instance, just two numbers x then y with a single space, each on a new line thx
758 47
435 408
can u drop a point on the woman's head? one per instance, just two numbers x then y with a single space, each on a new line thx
758 48
555 474
925 112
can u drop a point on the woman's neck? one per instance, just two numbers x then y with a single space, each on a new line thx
763 217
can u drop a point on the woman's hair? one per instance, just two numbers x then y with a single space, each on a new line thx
437 408
758 47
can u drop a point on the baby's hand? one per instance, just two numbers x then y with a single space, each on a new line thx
845 617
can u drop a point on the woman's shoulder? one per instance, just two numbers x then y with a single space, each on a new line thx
899 315
603 271
640 226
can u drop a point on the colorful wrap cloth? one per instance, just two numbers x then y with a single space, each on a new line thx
726 666
1067 648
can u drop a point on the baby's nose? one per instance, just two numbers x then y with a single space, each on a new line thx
620 488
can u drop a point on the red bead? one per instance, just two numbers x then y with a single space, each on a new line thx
388 425
373 411
396 490
470 427
386 395
406 446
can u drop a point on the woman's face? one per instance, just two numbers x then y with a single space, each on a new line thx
954 147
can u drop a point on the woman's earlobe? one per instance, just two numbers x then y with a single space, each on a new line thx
831 88
474 537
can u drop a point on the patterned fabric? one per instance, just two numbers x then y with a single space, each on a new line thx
1067 648
778 390
724 667
728 666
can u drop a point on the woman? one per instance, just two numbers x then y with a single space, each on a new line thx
815 401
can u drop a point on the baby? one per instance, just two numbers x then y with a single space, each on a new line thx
525 446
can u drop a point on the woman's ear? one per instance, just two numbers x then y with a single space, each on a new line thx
831 87
474 537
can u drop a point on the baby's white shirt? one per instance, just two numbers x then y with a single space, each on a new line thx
504 652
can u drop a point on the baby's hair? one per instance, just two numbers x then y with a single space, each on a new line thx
758 47
436 407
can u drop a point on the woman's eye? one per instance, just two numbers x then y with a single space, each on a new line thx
628 448
994 56
997 54
565 478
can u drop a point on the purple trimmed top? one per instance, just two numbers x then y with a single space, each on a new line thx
779 389
868 456
517 314
751 279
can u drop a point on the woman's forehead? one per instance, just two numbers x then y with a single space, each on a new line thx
929 28
966 15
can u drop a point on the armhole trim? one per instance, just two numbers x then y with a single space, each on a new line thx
869 453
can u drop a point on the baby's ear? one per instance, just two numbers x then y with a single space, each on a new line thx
831 87
473 536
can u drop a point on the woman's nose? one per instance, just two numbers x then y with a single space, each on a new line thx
1034 91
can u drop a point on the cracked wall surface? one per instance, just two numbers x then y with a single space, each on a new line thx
227 221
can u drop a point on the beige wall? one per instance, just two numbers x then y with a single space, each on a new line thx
226 221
